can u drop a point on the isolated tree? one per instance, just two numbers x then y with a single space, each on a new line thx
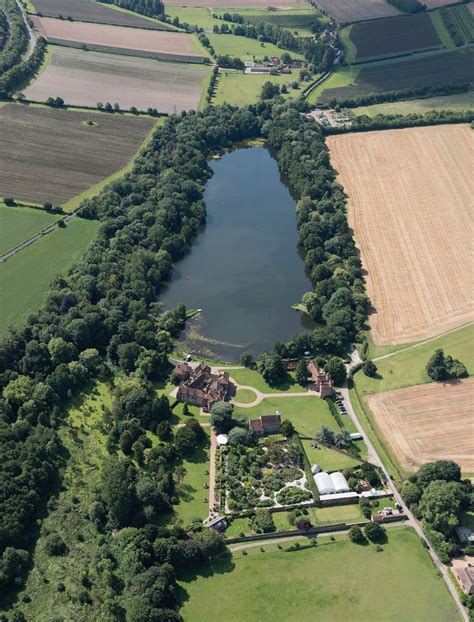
336 369
369 368
287 428
302 373
374 532
239 436
436 367
270 366
356 535
246 359
185 441
221 417
185 409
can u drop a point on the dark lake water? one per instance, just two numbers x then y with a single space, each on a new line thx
244 270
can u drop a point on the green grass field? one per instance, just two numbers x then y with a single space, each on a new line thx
193 498
441 29
25 277
328 459
307 414
245 396
251 378
17 224
339 514
462 101
343 76
245 48
350 48
239 89
198 16
336 580
406 369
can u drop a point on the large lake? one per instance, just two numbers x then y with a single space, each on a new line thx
244 270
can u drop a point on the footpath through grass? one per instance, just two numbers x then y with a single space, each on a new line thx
336 580
25 277
406 369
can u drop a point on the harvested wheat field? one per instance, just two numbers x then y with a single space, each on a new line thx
356 10
410 207
86 78
428 422
160 42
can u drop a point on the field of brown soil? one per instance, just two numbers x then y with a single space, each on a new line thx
277 4
85 78
428 422
90 11
410 207
175 43
53 155
356 10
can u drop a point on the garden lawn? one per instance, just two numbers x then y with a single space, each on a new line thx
245 48
239 89
245 396
251 378
24 278
328 459
179 417
192 498
334 581
406 369
238 526
339 514
17 224
307 413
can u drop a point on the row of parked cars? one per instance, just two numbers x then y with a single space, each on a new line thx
340 403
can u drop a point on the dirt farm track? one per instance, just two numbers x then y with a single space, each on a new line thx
428 422
410 207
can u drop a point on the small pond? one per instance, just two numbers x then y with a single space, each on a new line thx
244 270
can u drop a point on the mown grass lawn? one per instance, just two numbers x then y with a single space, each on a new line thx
333 581
25 277
17 224
406 369
198 16
328 459
193 497
339 514
251 378
307 413
245 396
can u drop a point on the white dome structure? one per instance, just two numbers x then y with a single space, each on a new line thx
324 483
339 482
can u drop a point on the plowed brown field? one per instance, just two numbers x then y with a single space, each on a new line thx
175 43
357 10
428 422
410 206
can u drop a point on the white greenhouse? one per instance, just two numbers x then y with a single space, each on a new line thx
339 482
324 483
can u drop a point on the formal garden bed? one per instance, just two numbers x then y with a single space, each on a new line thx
267 475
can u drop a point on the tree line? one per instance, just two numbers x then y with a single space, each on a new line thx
23 71
408 6
150 8
14 32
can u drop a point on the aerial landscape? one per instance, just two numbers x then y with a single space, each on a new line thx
236 314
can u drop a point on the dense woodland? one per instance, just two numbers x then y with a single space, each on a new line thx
13 30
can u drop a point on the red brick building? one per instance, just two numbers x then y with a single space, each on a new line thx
322 381
266 424
201 387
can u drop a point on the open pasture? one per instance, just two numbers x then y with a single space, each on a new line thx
396 35
239 89
18 224
85 78
410 208
152 41
356 10
333 581
411 72
428 422
461 101
246 48
90 11
53 155
24 278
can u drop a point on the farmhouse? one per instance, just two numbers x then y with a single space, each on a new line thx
266 424
322 381
200 387
465 576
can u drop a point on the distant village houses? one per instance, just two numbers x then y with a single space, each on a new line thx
200 387
322 381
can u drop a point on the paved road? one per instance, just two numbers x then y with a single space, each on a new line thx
375 459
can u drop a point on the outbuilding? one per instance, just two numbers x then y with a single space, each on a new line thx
324 483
